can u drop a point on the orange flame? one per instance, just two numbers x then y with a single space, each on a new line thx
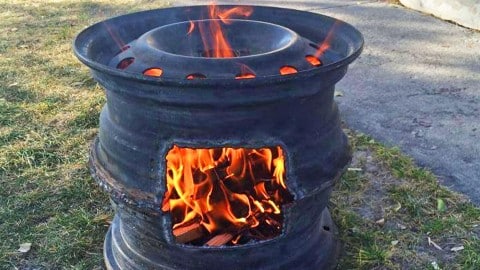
245 73
191 27
214 42
326 43
226 15
116 38
225 188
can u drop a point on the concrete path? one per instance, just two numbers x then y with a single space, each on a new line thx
463 12
416 85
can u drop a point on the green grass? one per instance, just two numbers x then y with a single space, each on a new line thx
49 108
387 212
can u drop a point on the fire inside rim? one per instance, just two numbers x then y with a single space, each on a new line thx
225 196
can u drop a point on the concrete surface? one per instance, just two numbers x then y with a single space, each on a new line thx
415 86
463 12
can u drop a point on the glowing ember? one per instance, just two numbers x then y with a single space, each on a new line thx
245 76
285 70
245 73
314 61
225 195
153 72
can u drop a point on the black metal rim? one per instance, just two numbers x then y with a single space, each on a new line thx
217 81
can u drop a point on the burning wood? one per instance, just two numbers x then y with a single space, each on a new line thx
219 240
188 233
225 193
194 231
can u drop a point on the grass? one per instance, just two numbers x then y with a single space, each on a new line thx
49 108
387 209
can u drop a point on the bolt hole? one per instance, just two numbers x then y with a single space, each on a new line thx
125 63
326 228
196 76
314 61
153 72
285 70
245 76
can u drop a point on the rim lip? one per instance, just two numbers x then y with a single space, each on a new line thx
293 38
217 81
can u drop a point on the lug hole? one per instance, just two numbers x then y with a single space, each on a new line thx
153 72
125 63
245 76
314 61
286 70
196 76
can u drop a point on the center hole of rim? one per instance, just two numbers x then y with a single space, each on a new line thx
238 38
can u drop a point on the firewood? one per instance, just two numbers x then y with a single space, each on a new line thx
188 233
219 240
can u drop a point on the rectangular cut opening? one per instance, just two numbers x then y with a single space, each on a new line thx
225 196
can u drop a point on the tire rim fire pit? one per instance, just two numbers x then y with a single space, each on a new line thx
220 140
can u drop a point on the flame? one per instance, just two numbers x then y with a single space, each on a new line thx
326 43
116 38
214 41
226 189
227 14
245 73
191 27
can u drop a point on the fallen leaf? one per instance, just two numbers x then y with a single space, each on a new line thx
401 226
25 247
457 248
380 221
354 169
394 242
338 94
13 84
441 207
